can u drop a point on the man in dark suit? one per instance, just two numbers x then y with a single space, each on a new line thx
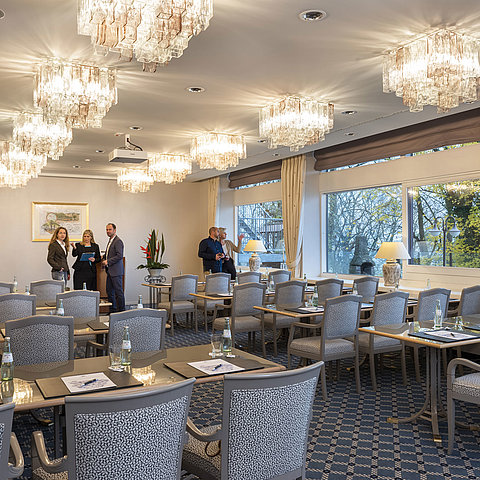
211 251
113 262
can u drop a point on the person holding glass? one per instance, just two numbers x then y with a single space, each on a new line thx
88 255
58 253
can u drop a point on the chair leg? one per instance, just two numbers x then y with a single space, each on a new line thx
371 356
253 341
444 360
171 323
417 363
289 358
404 366
323 378
195 319
357 374
264 351
205 321
451 421
274 341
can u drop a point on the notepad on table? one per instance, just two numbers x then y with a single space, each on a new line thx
215 367
89 382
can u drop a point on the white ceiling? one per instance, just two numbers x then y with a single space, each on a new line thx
253 52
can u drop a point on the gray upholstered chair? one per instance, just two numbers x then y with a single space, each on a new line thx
80 303
465 388
248 277
180 299
127 434
41 339
9 446
388 309
279 276
16 305
244 318
289 294
6 287
264 431
46 291
328 288
338 339
214 283
469 301
367 287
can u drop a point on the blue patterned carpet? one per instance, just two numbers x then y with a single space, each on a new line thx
350 437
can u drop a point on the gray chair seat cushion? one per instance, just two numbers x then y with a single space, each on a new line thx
467 385
196 461
247 323
178 306
332 347
379 342
41 474
210 304
281 320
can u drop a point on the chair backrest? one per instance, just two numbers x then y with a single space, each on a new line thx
146 326
41 339
245 297
427 301
17 305
137 434
279 276
6 287
366 286
217 282
341 317
389 308
80 303
183 286
248 277
328 288
470 301
290 294
46 290
266 418
6 417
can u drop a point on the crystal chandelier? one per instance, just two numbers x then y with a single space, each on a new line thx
169 167
31 133
82 94
9 179
155 31
295 121
134 180
218 150
441 69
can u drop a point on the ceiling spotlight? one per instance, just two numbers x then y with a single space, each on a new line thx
349 134
99 151
349 112
262 140
312 15
76 166
135 127
118 134
195 89
87 160
275 154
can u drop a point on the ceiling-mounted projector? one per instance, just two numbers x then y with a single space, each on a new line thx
127 154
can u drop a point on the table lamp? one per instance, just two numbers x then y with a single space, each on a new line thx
392 251
254 246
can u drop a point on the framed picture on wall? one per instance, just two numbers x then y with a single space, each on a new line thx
48 216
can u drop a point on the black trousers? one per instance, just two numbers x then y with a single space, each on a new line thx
115 293
79 278
229 267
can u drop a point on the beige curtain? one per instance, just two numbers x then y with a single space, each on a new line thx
213 187
293 187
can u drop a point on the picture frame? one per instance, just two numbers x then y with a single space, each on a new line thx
48 216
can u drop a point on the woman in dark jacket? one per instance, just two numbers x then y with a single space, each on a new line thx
57 254
86 270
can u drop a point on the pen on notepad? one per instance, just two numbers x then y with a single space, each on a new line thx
217 366
452 335
89 382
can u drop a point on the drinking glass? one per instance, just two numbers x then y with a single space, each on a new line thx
217 342
27 289
115 358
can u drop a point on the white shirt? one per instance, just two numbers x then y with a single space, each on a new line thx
108 245
62 244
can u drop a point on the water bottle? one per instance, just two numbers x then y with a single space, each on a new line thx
84 285
304 277
126 352
315 297
15 284
437 322
354 289
428 284
27 289
140 302
227 339
271 285
7 361
60 309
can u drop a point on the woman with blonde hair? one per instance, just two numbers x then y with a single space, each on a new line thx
229 248
57 254
84 266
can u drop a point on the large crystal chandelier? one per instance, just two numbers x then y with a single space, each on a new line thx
169 167
155 31
218 150
295 121
134 180
82 94
441 69
31 133
10 179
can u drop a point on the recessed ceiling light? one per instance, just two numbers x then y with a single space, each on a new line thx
135 127
99 151
76 166
312 15
195 89
349 134
87 160
262 140
2 14
118 134
275 154
349 112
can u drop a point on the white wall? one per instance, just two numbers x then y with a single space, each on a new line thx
179 211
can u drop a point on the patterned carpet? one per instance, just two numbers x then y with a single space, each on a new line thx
350 437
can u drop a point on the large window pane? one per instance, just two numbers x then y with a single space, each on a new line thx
262 221
358 222
440 207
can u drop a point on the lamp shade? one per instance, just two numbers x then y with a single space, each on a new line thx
392 251
254 246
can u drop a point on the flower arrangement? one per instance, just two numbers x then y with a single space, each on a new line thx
154 251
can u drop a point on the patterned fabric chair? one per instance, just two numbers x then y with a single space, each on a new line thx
339 337
6 287
279 276
80 303
41 339
9 446
180 299
46 291
244 318
388 309
16 305
328 288
127 435
367 287
264 429
214 283
248 277
289 294
469 305
465 388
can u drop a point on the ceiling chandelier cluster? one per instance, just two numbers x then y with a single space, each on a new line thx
151 30
440 69
169 167
218 150
295 121
134 180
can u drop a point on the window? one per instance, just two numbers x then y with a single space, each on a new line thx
256 184
262 221
358 221
434 212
